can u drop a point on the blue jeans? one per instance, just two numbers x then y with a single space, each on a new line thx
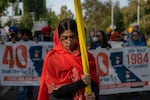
21 93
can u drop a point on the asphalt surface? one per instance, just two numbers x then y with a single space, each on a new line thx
11 94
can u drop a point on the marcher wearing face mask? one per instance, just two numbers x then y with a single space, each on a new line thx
24 92
94 39
91 38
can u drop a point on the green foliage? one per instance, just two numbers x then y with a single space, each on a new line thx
26 21
36 6
130 14
118 18
3 5
94 14
97 15
52 19
65 13
145 24
12 1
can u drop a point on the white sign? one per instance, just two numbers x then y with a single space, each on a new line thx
21 63
123 69
38 25
120 70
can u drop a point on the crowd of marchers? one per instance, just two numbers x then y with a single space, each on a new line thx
108 39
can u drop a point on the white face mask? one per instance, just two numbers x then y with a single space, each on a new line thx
94 39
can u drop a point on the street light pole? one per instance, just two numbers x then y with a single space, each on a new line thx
138 12
112 15
13 13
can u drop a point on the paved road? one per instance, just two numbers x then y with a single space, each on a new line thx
11 94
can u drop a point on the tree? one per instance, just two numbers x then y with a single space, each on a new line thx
36 6
3 5
97 15
118 17
26 21
145 18
65 13
145 24
6 3
94 14
130 14
52 18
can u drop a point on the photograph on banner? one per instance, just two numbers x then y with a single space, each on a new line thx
21 63
123 70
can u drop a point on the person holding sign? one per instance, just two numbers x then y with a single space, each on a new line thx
62 75
25 91
135 40
47 34
12 34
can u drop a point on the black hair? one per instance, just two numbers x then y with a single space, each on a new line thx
26 31
105 38
67 24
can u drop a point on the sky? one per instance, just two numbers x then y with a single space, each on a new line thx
55 6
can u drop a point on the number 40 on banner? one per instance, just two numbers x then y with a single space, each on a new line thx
10 60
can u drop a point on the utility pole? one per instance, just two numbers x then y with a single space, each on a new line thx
13 13
112 15
138 12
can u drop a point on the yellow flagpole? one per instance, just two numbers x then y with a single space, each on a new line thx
82 40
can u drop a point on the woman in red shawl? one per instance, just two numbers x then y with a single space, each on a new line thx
62 76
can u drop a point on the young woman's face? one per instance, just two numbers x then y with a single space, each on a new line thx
99 36
69 40
135 36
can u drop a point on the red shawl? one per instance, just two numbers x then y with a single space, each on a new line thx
60 67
